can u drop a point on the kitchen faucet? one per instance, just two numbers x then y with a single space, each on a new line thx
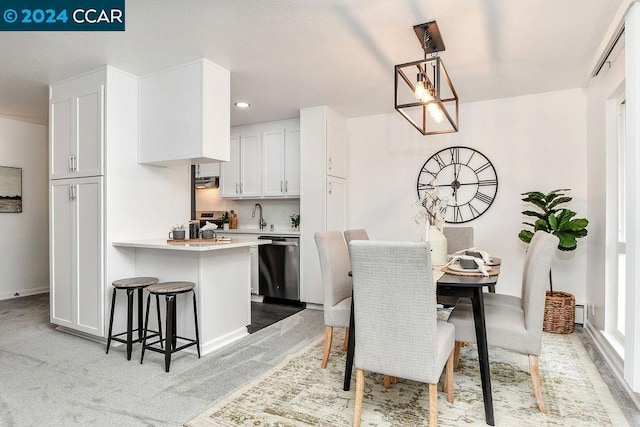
262 222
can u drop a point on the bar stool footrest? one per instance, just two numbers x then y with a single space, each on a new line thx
189 343
124 341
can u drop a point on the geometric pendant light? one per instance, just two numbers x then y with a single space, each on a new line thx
424 94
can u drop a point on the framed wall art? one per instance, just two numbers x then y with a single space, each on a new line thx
10 189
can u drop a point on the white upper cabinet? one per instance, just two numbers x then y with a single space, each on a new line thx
265 161
281 161
184 115
207 169
336 149
240 176
76 126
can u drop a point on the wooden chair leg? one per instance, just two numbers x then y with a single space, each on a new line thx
535 379
359 397
448 381
394 380
433 405
456 354
328 334
345 344
386 381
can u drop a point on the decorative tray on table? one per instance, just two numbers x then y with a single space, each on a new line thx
459 271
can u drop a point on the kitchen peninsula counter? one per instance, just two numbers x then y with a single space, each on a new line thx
222 274
191 245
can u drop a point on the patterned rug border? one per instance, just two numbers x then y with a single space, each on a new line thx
614 415
202 418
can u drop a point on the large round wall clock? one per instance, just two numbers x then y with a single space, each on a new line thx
463 175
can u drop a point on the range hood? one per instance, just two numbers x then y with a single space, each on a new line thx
207 182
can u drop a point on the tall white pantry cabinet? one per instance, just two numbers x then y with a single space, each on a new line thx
89 116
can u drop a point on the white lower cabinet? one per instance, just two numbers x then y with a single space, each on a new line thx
77 267
336 205
253 252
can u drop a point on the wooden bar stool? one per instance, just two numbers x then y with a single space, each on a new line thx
170 290
131 285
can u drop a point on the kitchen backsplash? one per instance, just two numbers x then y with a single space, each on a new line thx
276 212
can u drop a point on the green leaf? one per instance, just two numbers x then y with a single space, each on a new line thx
558 201
533 213
541 224
576 224
525 236
553 222
567 242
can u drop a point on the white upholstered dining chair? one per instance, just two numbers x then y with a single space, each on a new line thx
458 238
336 286
515 323
356 234
396 278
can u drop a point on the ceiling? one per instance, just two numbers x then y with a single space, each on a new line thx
290 54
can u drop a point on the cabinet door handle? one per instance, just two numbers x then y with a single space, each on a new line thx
71 192
198 171
330 163
281 187
286 186
330 188
236 188
240 188
70 163
75 163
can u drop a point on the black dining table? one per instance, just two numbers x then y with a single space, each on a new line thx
458 286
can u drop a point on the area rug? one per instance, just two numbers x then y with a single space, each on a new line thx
299 393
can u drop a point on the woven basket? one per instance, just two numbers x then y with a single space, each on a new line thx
559 313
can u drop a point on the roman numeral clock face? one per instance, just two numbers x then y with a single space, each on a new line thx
466 177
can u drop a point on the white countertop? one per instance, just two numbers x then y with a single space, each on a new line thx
193 247
258 232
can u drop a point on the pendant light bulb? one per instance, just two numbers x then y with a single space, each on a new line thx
419 90
427 96
436 113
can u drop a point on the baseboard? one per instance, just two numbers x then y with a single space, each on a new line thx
81 334
215 344
612 359
23 293
312 306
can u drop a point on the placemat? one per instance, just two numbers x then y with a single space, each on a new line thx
492 272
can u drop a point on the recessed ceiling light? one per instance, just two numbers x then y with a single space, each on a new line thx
242 104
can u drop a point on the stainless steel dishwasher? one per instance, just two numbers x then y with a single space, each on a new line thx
279 268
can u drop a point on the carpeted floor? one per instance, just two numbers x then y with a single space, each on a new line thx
298 393
50 378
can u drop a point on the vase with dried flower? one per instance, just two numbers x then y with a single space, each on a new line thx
432 209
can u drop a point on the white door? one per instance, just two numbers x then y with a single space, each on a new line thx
230 171
76 253
336 151
273 158
336 208
90 128
250 165
89 264
61 137
292 163
61 256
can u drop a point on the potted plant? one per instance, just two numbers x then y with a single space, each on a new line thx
295 221
559 312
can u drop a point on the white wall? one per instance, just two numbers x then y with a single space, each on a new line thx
24 246
535 142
